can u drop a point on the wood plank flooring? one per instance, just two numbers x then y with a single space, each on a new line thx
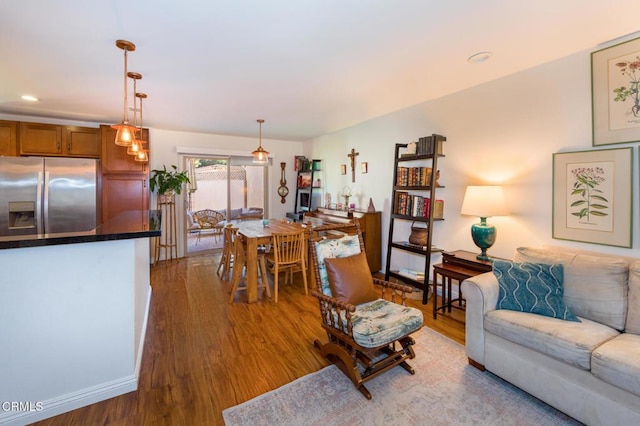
203 355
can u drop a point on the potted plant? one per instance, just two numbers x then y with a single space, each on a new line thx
168 182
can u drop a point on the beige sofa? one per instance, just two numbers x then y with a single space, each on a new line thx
589 369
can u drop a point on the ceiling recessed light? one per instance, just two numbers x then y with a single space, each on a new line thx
480 57
29 98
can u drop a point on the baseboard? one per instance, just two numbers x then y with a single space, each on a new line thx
69 402
143 336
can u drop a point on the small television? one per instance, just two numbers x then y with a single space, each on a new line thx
308 201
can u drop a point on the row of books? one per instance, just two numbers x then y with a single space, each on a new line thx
413 176
426 145
417 205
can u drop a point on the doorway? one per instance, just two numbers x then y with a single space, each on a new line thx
227 185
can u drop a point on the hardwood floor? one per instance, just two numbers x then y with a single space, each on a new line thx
203 355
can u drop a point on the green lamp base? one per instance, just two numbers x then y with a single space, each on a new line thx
484 235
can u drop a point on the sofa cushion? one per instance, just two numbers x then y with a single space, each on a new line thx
595 287
350 279
567 341
531 287
618 362
337 247
633 310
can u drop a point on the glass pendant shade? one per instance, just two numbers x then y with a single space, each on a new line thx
125 134
125 131
260 156
142 156
134 147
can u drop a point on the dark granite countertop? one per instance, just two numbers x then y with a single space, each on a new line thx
126 225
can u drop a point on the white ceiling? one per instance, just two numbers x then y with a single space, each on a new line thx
308 67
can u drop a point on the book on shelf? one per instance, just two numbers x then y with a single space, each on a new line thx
413 176
428 146
407 204
415 246
410 273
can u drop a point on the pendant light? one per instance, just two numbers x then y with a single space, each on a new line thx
142 154
260 156
125 131
135 143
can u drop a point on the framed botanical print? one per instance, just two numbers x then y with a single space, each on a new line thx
615 81
592 198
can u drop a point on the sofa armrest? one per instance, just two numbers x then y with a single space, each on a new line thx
481 294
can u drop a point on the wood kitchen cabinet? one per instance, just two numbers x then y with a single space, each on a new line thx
56 140
115 158
123 192
8 138
125 182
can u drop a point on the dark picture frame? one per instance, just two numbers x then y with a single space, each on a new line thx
615 93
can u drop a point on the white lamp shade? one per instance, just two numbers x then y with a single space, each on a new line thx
484 201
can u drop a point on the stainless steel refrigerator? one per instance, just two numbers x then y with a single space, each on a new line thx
47 195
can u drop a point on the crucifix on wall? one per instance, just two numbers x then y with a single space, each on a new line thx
353 156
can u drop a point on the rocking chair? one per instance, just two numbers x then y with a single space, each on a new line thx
368 332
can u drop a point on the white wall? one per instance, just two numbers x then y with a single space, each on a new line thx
502 132
166 147
74 326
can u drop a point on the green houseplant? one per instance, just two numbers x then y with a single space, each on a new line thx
168 181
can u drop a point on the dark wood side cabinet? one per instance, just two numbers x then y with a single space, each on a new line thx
8 138
456 266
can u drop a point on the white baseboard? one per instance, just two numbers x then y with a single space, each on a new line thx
143 336
72 401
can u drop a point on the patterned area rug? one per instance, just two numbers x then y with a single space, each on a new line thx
444 391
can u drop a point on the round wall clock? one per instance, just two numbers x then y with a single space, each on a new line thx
283 191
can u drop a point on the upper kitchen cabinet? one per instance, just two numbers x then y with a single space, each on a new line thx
56 140
8 138
115 158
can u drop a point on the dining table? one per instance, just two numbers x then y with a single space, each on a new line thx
255 233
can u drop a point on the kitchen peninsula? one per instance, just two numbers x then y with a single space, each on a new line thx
73 309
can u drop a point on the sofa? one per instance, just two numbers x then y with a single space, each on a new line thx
250 213
588 368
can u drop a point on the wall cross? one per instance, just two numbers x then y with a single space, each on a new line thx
353 156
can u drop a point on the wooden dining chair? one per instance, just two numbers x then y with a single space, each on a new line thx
287 255
238 281
226 260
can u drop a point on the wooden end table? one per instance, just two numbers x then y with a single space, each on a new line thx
456 265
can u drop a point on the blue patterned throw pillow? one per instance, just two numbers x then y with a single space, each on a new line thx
532 287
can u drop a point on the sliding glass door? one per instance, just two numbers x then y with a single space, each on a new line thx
226 185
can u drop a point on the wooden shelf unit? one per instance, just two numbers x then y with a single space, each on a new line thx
425 190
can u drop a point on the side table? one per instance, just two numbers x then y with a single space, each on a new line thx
456 265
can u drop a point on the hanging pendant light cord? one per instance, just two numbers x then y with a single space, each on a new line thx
125 118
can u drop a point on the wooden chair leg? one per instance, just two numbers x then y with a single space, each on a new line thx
264 277
276 273
237 277
304 278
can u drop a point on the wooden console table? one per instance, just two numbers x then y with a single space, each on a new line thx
457 265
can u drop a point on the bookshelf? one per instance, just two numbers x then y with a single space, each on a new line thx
414 198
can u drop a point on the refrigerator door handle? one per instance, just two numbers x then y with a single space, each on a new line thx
39 204
45 199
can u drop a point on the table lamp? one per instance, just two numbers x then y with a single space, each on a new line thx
484 202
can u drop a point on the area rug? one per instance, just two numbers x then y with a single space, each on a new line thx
445 390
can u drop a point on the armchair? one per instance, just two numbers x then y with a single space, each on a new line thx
368 332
